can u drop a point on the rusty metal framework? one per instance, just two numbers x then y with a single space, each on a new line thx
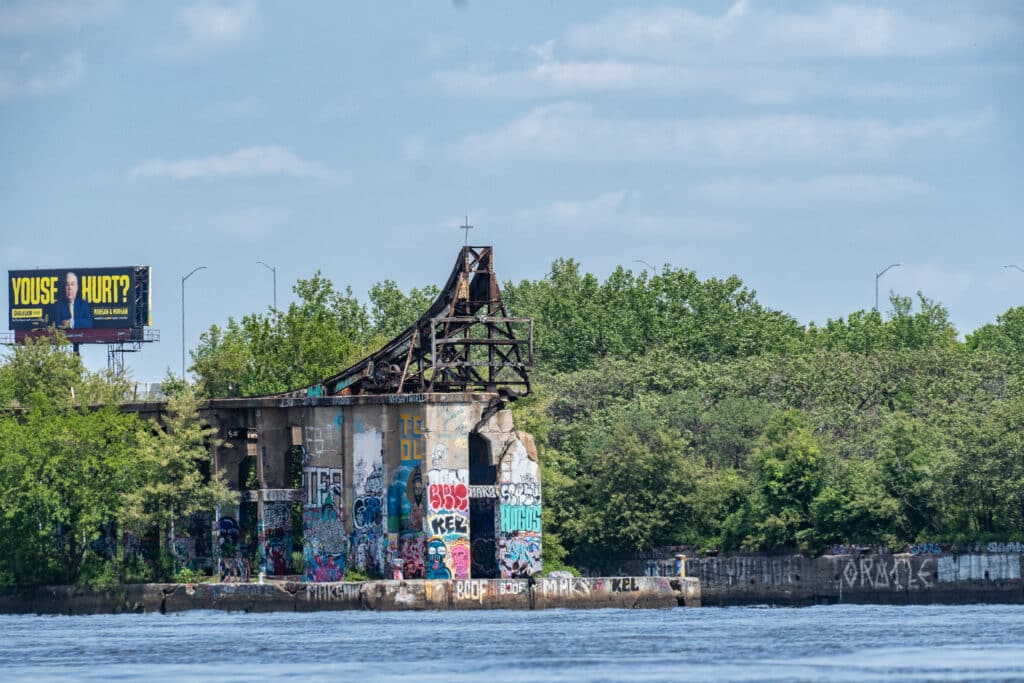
466 341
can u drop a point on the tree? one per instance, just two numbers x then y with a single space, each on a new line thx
791 477
172 465
867 332
63 465
318 336
392 310
62 474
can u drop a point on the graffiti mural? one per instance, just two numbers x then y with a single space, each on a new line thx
520 518
448 522
459 552
406 496
411 441
519 555
978 568
232 563
518 521
323 522
892 573
437 562
276 541
368 544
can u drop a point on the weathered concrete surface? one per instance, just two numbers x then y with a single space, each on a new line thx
880 579
581 593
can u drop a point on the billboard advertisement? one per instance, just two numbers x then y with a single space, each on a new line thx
79 300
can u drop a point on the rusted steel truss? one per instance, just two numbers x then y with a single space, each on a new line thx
466 341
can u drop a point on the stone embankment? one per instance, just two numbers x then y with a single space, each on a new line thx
524 594
869 578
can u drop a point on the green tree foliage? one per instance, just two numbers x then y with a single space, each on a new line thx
174 481
1004 340
392 310
902 431
76 472
317 336
982 482
867 331
63 471
791 475
322 333
63 465
580 320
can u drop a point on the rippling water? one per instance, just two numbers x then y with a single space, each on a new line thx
836 643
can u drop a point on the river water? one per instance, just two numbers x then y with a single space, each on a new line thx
835 643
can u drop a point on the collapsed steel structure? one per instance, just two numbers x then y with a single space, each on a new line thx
466 341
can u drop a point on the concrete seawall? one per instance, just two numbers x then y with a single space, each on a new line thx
882 579
523 594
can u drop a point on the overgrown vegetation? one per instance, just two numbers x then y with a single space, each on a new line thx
668 410
79 479
674 410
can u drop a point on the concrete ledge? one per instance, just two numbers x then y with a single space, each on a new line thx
903 579
469 594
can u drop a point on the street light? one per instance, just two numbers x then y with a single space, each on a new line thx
640 260
1014 265
878 275
183 278
273 270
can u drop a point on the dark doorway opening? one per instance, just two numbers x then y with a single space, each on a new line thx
483 475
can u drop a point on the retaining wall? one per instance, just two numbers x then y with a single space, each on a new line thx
578 593
884 579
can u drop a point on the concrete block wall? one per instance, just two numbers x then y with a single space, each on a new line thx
897 579
385 486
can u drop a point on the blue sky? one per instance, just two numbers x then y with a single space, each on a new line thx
803 146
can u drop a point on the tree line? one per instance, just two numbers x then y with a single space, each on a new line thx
675 410
668 410
88 493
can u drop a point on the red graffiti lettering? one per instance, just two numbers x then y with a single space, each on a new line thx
450 497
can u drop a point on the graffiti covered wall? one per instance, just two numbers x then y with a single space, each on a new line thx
368 543
407 498
447 520
518 520
379 484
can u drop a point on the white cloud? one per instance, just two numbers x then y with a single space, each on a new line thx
43 16
615 210
755 85
25 79
209 27
570 131
742 33
855 188
251 161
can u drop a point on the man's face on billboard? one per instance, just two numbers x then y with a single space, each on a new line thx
71 286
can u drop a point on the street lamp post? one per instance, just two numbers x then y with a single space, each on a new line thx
640 260
273 270
183 278
878 275
1014 265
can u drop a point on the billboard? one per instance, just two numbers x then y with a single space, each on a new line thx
91 304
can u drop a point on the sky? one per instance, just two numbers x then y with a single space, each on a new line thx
803 146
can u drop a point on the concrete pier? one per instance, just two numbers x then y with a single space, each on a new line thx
469 594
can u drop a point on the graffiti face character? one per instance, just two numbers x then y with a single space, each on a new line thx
437 553
460 559
417 487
